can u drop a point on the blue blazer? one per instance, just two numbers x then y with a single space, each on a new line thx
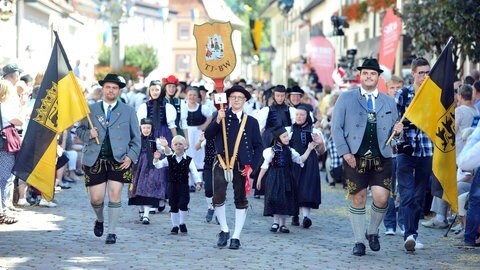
124 132
349 121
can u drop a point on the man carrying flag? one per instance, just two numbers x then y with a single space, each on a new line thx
59 104
111 146
431 121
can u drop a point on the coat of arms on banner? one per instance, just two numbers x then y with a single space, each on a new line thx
215 53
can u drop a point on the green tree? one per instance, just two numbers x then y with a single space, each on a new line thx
430 23
104 56
144 57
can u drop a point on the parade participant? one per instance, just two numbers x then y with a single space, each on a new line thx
278 114
279 186
362 121
163 116
147 187
107 164
180 166
208 146
306 178
194 119
169 85
245 147
414 159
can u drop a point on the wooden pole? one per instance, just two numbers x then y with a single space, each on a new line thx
393 132
91 127
219 86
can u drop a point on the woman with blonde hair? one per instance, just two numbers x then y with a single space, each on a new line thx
8 116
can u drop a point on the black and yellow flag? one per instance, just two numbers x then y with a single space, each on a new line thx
256 28
433 111
59 104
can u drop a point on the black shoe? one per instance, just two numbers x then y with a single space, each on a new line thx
174 230
274 227
359 249
98 229
111 238
145 220
256 196
161 208
192 189
222 239
79 172
284 229
209 215
183 228
331 184
307 222
295 221
234 244
373 241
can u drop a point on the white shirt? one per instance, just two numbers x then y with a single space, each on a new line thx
374 95
184 109
171 114
105 107
162 163
263 115
268 156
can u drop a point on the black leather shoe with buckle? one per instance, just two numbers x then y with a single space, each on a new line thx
359 249
234 244
98 229
373 241
111 238
223 239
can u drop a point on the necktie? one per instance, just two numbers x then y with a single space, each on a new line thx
370 103
109 112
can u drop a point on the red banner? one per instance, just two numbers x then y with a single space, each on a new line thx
322 57
391 31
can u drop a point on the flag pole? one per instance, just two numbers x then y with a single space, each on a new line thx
393 132
57 39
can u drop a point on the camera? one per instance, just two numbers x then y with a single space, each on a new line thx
405 148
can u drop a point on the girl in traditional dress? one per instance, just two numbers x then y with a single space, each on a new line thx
194 119
163 116
147 187
279 185
307 178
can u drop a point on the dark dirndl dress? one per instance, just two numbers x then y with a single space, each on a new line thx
307 179
279 192
147 187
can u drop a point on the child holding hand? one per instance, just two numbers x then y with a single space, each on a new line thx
279 189
180 166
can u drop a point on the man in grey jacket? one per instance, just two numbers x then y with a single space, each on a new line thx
111 146
363 119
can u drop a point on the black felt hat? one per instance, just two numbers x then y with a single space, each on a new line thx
371 63
238 88
279 88
114 78
296 90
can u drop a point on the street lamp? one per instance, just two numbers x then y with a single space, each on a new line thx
6 9
115 11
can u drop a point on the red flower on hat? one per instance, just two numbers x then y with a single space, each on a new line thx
170 80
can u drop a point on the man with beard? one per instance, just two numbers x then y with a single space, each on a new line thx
362 121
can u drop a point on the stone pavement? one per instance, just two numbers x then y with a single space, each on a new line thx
62 238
